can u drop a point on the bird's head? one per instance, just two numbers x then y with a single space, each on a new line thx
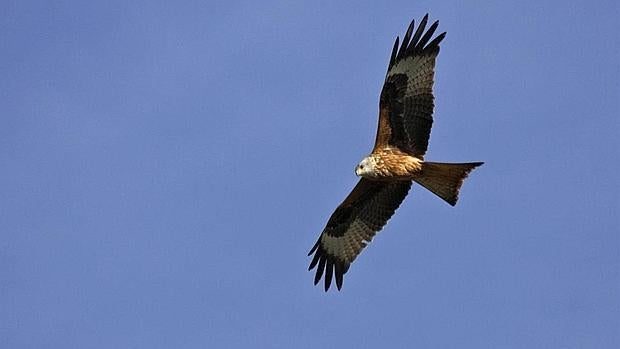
366 167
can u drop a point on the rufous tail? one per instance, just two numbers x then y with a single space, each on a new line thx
443 179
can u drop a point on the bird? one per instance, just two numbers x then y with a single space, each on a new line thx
406 107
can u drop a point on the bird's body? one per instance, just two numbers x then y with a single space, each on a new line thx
396 161
389 164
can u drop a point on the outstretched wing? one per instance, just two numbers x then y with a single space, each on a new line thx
406 104
354 223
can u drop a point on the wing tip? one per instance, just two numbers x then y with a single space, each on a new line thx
339 275
419 43
329 270
328 267
394 53
316 245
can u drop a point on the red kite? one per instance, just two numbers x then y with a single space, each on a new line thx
397 159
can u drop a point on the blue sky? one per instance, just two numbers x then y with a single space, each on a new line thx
166 166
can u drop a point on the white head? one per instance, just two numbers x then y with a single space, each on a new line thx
366 168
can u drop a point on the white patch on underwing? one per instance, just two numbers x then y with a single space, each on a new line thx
348 246
419 71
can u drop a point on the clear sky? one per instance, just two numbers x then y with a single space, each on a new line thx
166 166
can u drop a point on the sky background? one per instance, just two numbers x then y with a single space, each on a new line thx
166 166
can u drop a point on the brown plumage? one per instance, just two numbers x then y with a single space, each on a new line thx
405 120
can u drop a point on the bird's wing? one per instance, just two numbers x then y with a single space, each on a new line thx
406 104
354 223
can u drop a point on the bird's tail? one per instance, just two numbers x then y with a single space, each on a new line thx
445 180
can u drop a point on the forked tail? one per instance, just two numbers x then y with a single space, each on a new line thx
445 180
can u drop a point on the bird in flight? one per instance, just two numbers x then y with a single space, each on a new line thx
397 159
